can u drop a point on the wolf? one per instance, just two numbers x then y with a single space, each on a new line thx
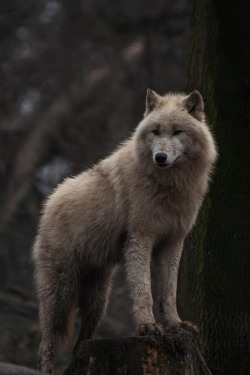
135 207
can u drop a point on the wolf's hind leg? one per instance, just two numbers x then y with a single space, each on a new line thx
56 308
93 297
47 353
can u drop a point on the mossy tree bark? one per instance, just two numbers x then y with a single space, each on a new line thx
214 276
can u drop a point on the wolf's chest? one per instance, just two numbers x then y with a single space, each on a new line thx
164 214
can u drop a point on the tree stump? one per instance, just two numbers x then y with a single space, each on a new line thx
176 353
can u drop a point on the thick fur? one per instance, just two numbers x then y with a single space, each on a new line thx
128 207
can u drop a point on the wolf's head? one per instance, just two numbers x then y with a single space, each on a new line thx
173 132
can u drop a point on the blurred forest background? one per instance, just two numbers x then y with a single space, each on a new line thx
73 80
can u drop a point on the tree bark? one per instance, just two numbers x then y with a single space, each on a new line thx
214 276
177 353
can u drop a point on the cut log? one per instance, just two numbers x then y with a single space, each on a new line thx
176 353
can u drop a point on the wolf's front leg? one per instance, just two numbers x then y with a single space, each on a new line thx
138 259
167 266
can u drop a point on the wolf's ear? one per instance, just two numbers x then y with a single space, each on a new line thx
152 100
195 105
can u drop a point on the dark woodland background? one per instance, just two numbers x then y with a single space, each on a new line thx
73 80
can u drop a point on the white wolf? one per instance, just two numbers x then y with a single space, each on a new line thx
136 205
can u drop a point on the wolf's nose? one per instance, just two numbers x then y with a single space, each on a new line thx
161 158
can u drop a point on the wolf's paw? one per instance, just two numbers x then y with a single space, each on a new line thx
188 326
177 326
150 329
182 328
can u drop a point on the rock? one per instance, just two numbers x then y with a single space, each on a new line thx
10 369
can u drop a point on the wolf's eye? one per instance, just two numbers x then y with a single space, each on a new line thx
156 132
177 132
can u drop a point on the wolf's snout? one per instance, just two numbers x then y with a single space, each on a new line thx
161 159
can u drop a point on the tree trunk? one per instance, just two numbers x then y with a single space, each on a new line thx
177 353
214 276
